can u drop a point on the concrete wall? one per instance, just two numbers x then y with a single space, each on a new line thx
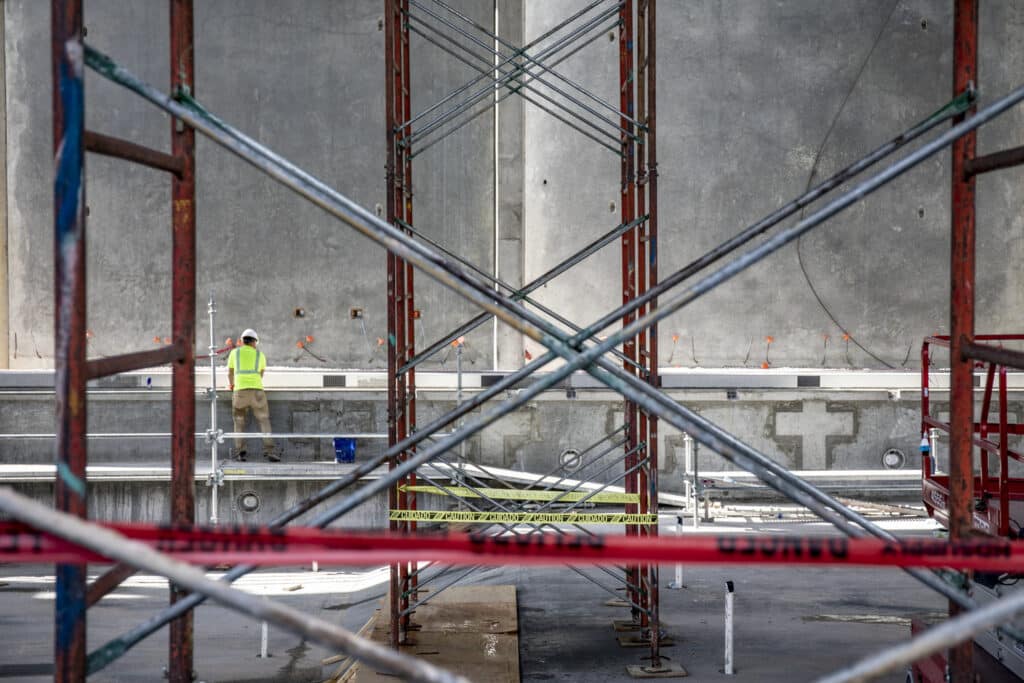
307 78
756 101
149 502
809 429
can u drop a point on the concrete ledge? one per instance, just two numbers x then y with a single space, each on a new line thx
281 378
238 471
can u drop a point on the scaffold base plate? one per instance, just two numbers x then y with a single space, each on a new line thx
616 602
671 670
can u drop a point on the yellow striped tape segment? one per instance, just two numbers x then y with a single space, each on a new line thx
521 517
524 494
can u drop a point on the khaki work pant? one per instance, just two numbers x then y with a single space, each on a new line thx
255 400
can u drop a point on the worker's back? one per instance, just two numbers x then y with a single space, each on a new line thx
248 364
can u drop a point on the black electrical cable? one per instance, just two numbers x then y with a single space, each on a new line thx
810 179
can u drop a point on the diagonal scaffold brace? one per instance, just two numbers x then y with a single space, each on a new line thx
115 546
649 398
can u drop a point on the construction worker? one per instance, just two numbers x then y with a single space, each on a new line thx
245 377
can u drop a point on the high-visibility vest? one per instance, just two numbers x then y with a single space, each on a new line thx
247 363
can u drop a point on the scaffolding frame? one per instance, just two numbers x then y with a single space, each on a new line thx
965 347
73 369
406 453
631 136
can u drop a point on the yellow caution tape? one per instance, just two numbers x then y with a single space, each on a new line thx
523 494
521 517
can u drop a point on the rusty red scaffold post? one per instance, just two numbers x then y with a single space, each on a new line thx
400 296
961 308
183 317
72 368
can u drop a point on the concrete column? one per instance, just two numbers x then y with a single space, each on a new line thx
5 326
509 188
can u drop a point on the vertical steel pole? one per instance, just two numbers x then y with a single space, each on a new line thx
69 325
653 377
391 28
211 310
1004 456
183 321
408 312
401 387
640 259
926 460
401 304
459 471
695 446
961 309
628 264
647 476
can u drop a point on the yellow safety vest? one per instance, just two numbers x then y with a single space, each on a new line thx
247 363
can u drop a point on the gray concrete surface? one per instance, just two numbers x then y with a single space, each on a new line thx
239 501
802 429
307 78
756 100
227 645
792 624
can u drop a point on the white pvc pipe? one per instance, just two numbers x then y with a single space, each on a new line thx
263 640
691 447
460 471
678 583
687 465
728 628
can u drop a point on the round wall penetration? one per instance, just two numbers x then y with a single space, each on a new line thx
893 459
248 501
570 459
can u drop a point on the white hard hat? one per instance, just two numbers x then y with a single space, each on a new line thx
249 332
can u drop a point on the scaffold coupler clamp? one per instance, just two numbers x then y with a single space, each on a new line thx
216 478
214 435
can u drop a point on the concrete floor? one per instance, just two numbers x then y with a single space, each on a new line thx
791 623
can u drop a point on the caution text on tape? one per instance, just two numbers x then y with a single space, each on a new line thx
292 546
521 517
525 494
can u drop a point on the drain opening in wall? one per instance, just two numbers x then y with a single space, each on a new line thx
248 501
570 460
893 459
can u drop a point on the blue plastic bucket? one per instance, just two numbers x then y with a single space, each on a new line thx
344 449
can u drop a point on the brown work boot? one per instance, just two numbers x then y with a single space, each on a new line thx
272 456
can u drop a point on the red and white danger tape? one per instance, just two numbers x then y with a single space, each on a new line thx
292 546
